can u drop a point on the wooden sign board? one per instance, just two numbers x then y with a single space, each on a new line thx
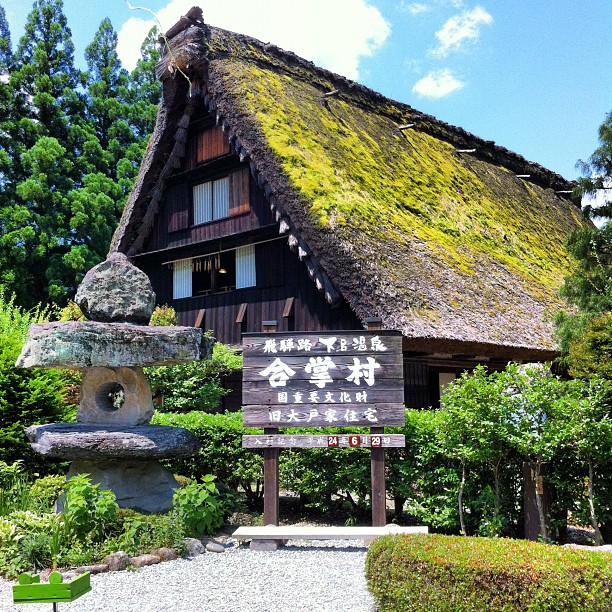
325 441
323 379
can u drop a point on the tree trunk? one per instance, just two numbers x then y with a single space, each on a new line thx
538 498
497 493
594 522
460 499
398 505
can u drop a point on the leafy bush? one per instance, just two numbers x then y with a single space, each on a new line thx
221 454
163 316
137 532
89 511
437 573
44 492
195 385
27 397
199 508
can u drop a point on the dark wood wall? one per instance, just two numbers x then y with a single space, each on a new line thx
176 213
280 275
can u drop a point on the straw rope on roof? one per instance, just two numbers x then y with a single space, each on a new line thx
442 234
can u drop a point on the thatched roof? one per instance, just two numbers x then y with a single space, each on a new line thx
427 226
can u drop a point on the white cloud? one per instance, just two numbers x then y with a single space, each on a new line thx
333 34
416 8
437 84
461 28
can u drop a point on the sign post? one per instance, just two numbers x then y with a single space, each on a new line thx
271 460
323 379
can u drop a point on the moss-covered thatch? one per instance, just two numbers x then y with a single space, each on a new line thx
447 246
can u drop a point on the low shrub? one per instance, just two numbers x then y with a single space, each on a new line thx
437 572
199 507
235 468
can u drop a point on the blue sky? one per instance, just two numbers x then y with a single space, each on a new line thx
535 76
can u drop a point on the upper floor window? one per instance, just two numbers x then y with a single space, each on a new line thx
225 197
211 201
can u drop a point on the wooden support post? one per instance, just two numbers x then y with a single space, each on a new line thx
379 492
379 489
271 493
271 457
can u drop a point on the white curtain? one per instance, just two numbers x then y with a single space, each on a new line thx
181 279
245 267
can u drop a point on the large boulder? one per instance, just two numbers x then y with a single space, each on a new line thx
116 291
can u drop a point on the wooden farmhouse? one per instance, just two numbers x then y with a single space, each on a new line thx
275 190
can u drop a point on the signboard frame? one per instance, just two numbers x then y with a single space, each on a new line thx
322 379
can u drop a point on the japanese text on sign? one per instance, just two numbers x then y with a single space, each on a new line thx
315 379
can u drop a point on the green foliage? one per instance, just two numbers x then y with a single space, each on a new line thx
221 453
591 353
14 488
195 385
597 171
70 148
328 480
437 573
137 532
163 315
27 397
45 491
199 508
71 312
589 286
89 511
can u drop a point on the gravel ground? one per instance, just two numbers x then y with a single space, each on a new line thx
314 576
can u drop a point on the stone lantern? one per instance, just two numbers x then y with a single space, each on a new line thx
112 440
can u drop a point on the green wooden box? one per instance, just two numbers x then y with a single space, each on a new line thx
31 590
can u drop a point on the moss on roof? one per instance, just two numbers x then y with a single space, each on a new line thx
440 244
365 181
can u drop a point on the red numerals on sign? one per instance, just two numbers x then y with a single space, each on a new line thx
354 441
332 440
375 441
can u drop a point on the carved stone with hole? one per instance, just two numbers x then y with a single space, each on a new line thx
115 396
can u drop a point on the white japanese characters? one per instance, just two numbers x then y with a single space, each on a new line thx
323 379
279 372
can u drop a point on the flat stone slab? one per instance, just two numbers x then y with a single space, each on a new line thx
85 344
101 442
291 532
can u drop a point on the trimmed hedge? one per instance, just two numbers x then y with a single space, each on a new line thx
437 572
221 453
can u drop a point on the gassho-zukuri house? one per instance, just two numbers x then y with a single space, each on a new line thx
275 190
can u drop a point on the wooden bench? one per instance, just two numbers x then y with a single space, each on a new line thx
280 533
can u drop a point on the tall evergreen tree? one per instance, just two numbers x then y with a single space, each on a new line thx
45 74
145 90
49 136
6 55
107 84
589 287
6 103
71 145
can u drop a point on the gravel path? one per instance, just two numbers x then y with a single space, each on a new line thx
303 576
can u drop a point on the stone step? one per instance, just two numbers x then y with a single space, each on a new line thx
292 532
